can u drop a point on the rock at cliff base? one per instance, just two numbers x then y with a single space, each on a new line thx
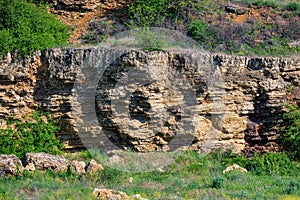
44 161
102 193
235 167
93 166
10 165
78 167
110 194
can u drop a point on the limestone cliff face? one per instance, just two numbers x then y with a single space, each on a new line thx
151 101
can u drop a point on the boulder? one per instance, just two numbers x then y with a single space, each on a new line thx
78 167
93 166
110 194
44 161
138 197
30 167
10 165
102 193
235 9
235 167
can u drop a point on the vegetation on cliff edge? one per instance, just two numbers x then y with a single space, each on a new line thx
26 27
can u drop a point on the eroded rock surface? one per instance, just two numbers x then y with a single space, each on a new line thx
102 193
254 91
44 161
234 167
78 167
93 166
10 165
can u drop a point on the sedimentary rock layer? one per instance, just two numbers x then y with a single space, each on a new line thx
151 101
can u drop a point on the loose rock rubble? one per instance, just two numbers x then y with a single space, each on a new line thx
12 165
78 167
101 193
93 166
43 161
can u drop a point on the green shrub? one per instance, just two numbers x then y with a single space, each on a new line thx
198 31
146 13
150 39
166 13
287 5
293 188
33 133
290 139
25 27
267 164
218 182
293 6
270 164
229 158
270 3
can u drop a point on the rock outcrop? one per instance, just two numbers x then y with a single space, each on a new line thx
78 167
44 161
102 193
216 100
234 167
10 165
93 166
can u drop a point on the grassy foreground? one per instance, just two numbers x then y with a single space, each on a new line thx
191 176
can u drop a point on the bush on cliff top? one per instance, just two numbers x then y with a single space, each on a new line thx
25 27
34 133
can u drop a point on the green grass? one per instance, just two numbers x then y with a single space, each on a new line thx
191 176
284 4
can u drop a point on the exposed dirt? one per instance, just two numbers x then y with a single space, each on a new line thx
79 20
236 14
251 13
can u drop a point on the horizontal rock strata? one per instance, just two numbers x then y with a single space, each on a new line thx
153 101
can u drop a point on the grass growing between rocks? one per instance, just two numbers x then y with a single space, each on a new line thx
191 176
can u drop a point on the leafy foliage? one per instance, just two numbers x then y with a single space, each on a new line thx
165 13
252 37
191 176
270 164
293 6
150 39
25 27
230 158
245 39
293 188
284 4
198 30
290 139
147 13
266 164
34 133
218 182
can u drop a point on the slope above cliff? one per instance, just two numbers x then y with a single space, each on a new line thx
236 27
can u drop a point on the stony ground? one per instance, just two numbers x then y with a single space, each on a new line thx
229 16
